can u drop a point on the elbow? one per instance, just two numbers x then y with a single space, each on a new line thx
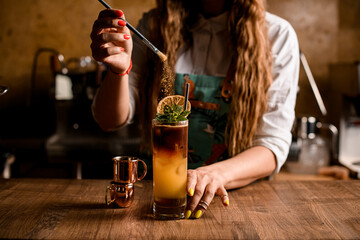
110 124
107 126
108 118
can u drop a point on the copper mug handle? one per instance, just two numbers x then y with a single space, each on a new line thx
106 194
144 172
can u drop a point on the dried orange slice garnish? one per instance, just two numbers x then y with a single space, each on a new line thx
171 100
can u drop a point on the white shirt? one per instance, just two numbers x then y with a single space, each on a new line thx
210 55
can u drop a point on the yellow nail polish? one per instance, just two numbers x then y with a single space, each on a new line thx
227 202
187 214
191 192
198 214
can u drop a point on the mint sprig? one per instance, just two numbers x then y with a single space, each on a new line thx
172 114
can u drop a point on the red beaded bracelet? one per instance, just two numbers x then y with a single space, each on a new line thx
127 71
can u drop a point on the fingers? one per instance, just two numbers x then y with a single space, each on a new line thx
106 37
110 37
108 44
108 25
205 201
191 182
224 196
101 54
199 192
202 187
111 13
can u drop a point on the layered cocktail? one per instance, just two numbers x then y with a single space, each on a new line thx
170 149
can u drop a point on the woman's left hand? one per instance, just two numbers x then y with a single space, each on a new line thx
202 185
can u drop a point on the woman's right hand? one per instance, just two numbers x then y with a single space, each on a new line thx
111 40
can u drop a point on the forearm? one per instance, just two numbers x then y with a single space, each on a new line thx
111 104
244 168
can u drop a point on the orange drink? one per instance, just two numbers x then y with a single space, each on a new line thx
170 141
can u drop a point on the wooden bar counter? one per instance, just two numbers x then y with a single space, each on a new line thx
75 209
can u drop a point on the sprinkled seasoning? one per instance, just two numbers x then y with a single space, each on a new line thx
167 84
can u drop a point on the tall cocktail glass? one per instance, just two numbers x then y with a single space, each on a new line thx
170 141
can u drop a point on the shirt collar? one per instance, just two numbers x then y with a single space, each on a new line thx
213 24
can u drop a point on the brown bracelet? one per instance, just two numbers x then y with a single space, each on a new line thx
122 74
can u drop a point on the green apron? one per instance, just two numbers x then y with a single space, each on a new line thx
207 120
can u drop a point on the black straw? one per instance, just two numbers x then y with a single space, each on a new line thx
105 4
186 95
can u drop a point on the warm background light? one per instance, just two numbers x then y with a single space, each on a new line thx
328 32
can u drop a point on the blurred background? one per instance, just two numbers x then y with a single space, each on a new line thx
48 133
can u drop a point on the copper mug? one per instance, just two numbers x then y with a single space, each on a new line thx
126 169
125 174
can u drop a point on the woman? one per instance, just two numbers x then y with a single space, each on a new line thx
244 65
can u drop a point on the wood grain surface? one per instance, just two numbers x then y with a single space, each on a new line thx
75 209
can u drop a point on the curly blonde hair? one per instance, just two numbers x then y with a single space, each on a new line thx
252 61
